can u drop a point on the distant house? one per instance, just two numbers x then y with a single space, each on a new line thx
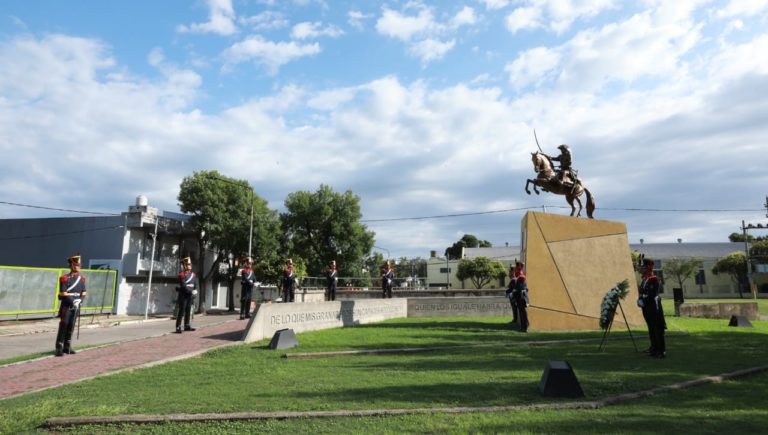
121 242
442 272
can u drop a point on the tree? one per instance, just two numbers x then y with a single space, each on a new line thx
734 264
739 237
681 269
758 252
324 225
481 270
221 210
466 241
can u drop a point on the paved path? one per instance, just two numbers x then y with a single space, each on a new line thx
44 373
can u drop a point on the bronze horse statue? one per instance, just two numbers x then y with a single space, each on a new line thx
548 180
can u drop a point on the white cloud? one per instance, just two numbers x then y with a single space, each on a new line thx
466 16
494 4
405 27
221 20
267 20
523 18
556 16
356 18
650 44
742 8
532 67
431 49
312 30
426 38
268 53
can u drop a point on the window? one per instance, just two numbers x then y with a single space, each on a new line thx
700 277
445 270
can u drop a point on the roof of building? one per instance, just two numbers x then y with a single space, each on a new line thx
703 250
495 253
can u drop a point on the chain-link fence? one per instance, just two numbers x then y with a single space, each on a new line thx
33 292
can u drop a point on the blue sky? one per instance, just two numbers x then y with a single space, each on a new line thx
422 108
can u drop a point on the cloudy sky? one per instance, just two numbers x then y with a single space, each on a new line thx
422 108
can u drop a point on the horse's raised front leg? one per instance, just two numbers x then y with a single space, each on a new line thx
527 182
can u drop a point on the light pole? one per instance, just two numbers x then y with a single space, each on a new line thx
151 268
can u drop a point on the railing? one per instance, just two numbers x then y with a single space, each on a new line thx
363 283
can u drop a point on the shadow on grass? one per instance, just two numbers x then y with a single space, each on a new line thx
226 336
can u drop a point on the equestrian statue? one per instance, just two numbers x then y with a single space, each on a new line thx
563 181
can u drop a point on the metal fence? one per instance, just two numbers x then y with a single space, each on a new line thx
364 283
33 292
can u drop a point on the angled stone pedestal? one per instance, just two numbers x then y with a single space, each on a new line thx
570 264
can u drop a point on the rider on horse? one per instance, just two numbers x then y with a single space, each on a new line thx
565 170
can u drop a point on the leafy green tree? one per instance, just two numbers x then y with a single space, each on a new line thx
481 270
466 241
758 252
324 225
735 265
220 209
739 237
681 269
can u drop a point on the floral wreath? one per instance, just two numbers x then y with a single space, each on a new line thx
611 301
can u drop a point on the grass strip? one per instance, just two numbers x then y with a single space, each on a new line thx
60 422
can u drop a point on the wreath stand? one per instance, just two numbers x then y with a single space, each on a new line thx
607 332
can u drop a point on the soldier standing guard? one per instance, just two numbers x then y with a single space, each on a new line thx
650 303
332 280
521 296
387 278
289 282
511 291
247 281
71 295
188 284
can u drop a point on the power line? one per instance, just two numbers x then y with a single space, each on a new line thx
59 209
670 210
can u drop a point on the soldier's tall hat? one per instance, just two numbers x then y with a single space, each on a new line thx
74 259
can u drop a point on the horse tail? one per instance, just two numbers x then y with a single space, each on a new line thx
590 203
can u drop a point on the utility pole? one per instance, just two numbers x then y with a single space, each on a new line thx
151 268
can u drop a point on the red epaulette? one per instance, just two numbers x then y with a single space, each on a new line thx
181 275
63 278
653 278
83 276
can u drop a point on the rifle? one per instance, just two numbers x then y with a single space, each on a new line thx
78 320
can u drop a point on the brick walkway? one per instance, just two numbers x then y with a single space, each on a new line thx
44 373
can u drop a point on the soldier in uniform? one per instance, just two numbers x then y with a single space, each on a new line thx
565 159
521 296
188 287
332 280
650 303
289 282
510 291
247 281
71 295
387 278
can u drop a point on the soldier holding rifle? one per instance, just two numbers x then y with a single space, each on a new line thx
71 295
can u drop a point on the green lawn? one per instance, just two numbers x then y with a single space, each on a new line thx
251 377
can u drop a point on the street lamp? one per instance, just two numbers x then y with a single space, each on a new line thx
151 268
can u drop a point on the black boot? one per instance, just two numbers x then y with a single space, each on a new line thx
59 352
